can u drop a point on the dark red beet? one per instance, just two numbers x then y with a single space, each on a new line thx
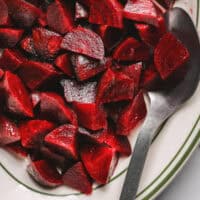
64 140
114 86
46 43
99 161
168 61
34 74
9 37
16 96
80 11
44 173
42 20
53 107
142 11
106 12
11 60
4 18
17 149
79 92
34 131
59 17
131 50
77 178
131 115
9 132
63 62
90 115
84 41
27 45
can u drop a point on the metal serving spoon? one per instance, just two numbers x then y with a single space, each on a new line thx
164 103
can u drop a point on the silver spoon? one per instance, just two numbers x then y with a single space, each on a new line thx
164 103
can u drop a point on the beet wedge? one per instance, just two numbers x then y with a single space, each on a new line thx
99 161
33 132
44 173
84 41
76 177
9 132
4 18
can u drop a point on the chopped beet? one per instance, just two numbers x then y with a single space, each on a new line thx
9 37
44 173
90 115
63 62
46 43
53 107
106 12
84 41
77 178
59 17
80 11
99 161
33 132
4 18
64 140
17 149
168 61
34 74
27 45
16 96
114 86
9 132
79 92
131 115
11 60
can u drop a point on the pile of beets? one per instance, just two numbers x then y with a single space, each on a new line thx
72 77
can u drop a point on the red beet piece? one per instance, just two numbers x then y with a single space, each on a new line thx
23 13
90 115
53 107
168 61
44 173
63 62
4 18
9 132
131 115
114 86
11 60
77 178
141 11
99 161
9 37
34 74
106 12
42 20
16 96
79 92
80 11
34 131
27 45
131 50
59 17
64 140
17 149
84 41
46 43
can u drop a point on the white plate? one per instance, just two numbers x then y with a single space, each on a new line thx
168 153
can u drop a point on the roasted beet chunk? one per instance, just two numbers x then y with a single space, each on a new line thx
9 132
77 178
9 37
34 74
44 173
11 60
63 139
169 55
99 161
79 92
142 11
84 41
80 11
53 107
4 18
131 115
27 45
106 12
114 86
23 13
86 68
46 43
59 17
16 96
33 132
